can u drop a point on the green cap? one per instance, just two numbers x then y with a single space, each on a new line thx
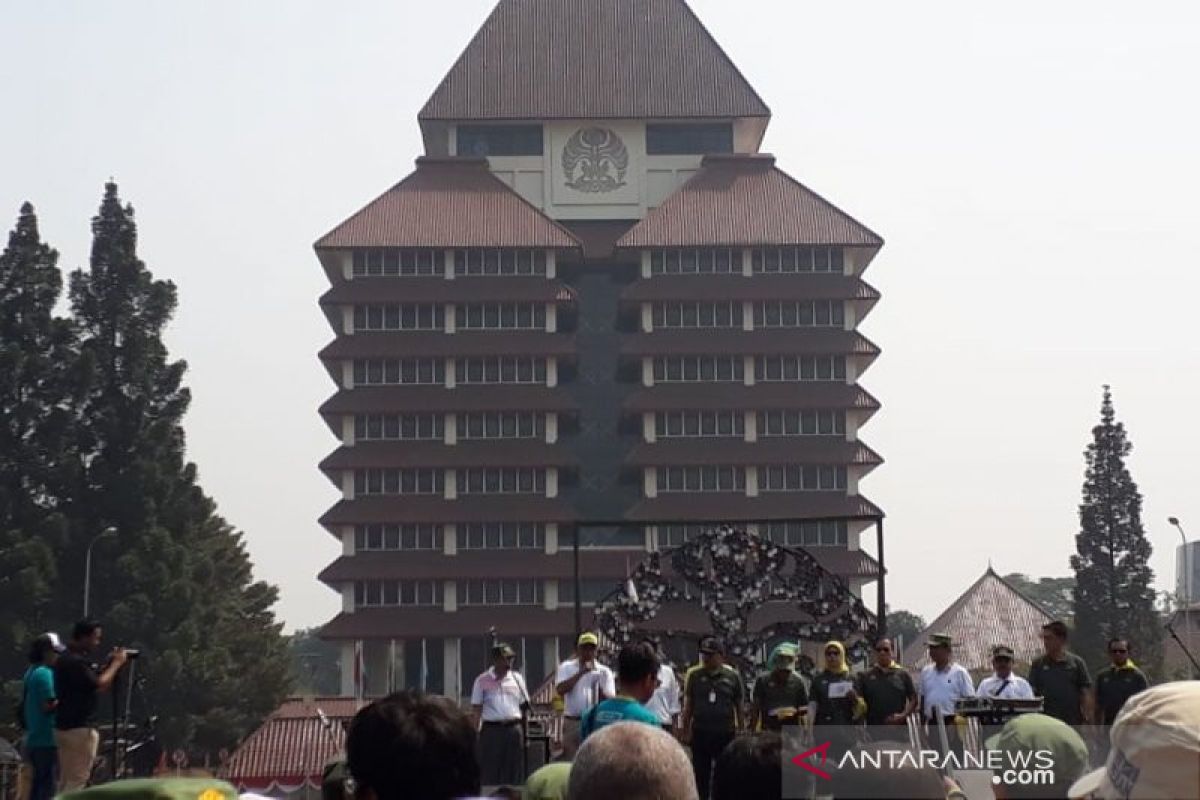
1031 733
158 789
940 640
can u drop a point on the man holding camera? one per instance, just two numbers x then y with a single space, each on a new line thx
77 681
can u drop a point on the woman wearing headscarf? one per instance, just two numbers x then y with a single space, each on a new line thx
834 704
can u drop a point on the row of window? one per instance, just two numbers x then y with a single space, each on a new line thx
726 314
398 261
676 424
801 423
369 427
709 369
428 262
696 261
829 533
397 537
522 592
767 260
368 594
800 368
501 316
432 317
425 480
700 138
406 317
799 314
774 478
493 261
701 479
425 371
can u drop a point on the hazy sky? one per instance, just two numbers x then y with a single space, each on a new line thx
1034 170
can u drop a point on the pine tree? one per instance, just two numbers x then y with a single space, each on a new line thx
35 356
1114 595
175 581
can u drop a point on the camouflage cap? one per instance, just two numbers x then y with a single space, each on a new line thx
1003 651
158 789
940 640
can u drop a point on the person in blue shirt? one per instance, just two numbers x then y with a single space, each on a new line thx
637 678
40 701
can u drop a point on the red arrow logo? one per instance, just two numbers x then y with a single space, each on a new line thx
802 760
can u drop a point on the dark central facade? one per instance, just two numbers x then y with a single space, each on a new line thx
594 310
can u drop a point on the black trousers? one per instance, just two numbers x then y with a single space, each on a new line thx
500 762
43 762
706 746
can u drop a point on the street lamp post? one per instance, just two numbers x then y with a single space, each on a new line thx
87 567
1184 589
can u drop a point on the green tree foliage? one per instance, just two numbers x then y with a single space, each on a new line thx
1056 595
316 664
1114 596
904 625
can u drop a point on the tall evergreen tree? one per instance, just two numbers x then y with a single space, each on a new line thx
1114 596
35 419
175 581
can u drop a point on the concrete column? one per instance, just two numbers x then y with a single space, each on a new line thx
450 540
748 370
852 482
550 652
649 429
647 317
348 430
747 262
550 594
551 427
450 318
450 429
551 538
348 484
646 264
647 371
348 265
347 540
552 482
851 426
750 426
450 669
850 261
448 265
346 657
850 314
449 484
449 378
348 374
551 318
851 370
650 482
552 371
449 596
747 315
347 598
551 264
650 533
347 319
751 481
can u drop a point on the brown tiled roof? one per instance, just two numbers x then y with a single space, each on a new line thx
491 453
403 508
757 287
479 564
731 507
292 746
440 290
988 613
775 450
746 200
435 344
592 59
449 202
476 397
764 341
759 397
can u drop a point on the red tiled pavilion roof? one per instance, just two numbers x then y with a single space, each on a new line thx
592 59
449 202
745 200
292 747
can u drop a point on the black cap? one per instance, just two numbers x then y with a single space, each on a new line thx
711 644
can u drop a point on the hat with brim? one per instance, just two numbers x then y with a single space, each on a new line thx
940 640
1002 651
588 638
503 650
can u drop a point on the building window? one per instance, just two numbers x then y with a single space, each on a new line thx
769 260
398 261
501 316
502 480
368 594
801 478
697 369
800 368
503 262
828 533
701 479
407 317
801 423
616 536
689 139
500 369
499 140
398 481
591 591
369 538
692 261
803 314
369 427
502 425
501 536
674 424
384 371
678 535
697 315
524 592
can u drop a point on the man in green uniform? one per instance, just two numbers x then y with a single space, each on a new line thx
1118 682
779 696
889 693
1061 678
712 710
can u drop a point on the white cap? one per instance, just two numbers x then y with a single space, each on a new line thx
1155 748
55 643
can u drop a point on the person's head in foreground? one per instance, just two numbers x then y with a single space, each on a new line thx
412 746
941 649
631 761
1054 638
176 788
637 671
1022 738
896 777
750 769
1155 748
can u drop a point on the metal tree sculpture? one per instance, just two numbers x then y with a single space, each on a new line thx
731 574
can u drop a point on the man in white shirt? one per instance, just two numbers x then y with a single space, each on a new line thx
942 683
1003 684
583 682
499 701
665 700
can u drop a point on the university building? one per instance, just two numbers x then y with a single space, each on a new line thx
594 311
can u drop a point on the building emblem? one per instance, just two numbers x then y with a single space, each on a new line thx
594 161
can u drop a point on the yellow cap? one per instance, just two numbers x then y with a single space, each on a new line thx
587 638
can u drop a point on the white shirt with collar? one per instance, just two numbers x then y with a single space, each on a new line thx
500 698
665 700
1017 688
940 688
588 689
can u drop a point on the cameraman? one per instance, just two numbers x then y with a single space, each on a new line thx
77 681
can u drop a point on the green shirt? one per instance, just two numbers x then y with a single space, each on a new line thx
770 694
549 782
615 709
1115 685
885 691
713 697
1060 684
39 723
